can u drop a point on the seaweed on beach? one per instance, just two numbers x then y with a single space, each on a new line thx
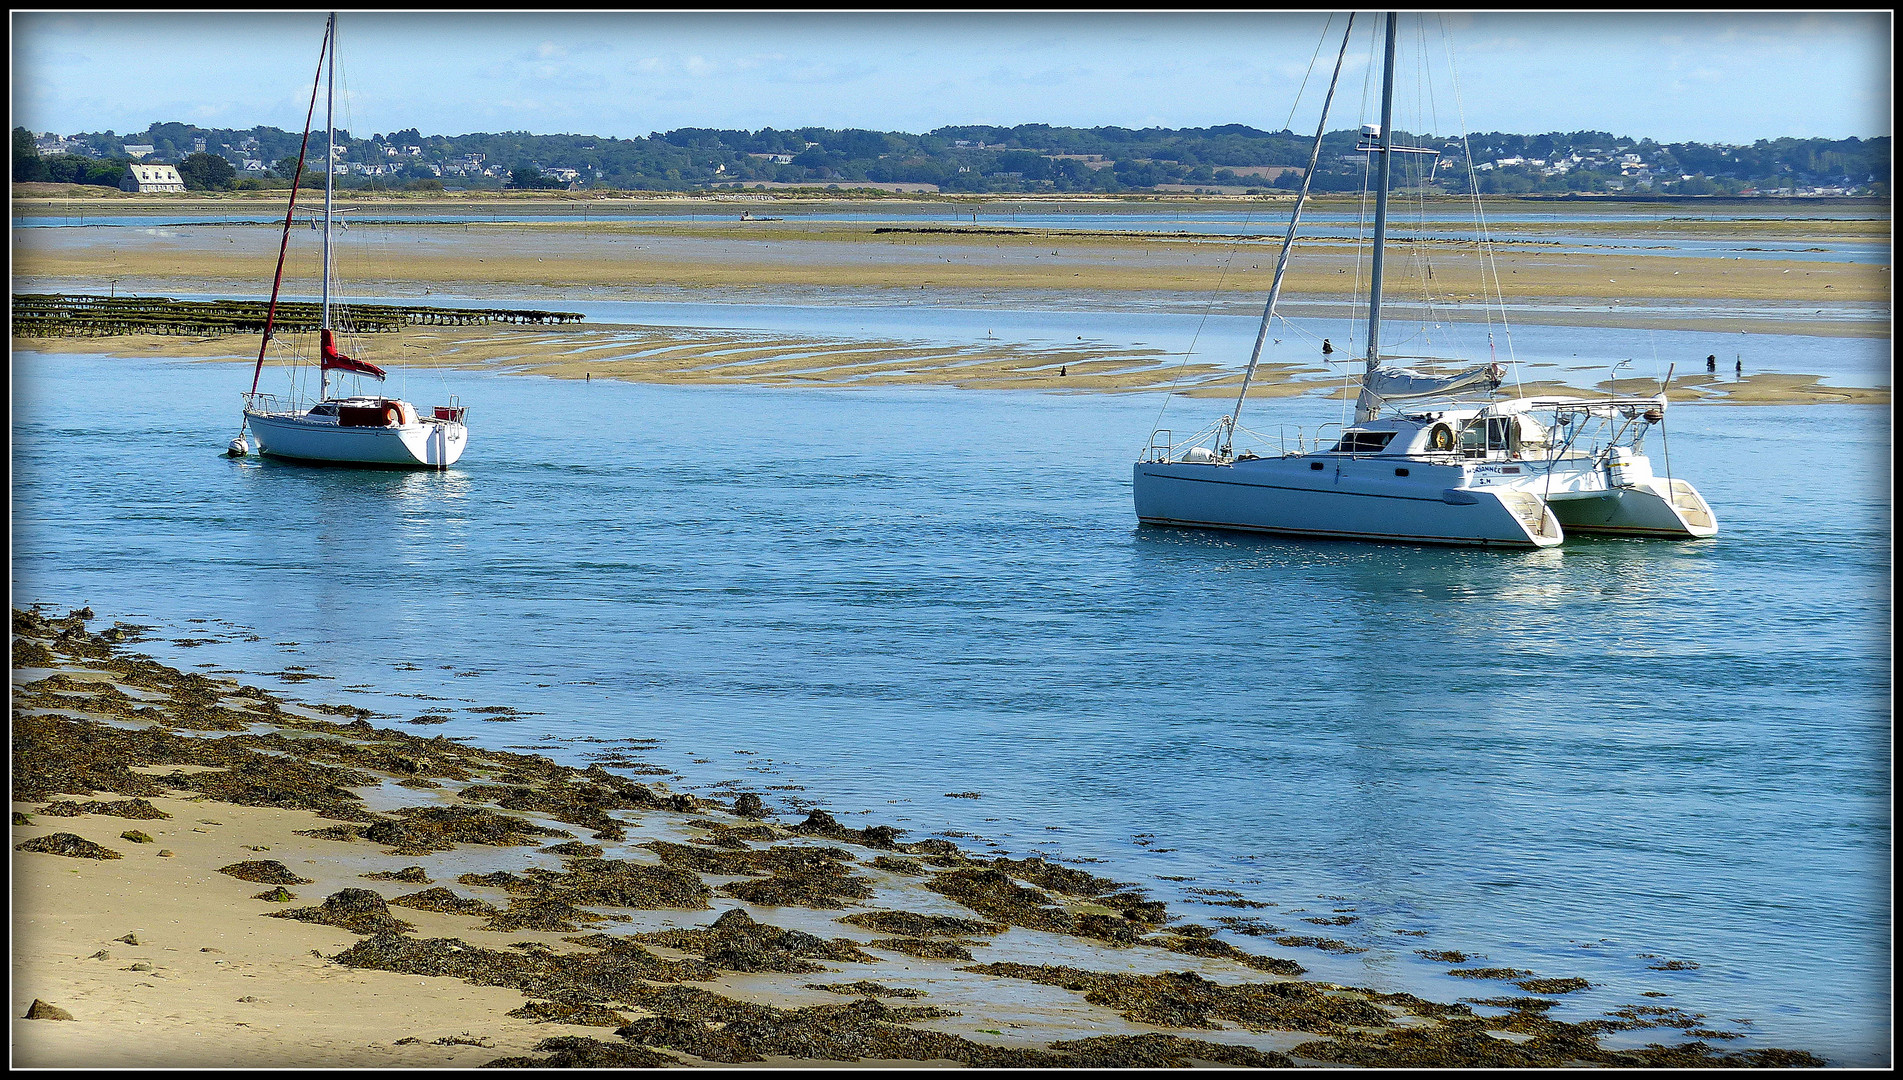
1333 945
581 1013
420 830
820 823
736 942
411 875
579 1052
69 845
1154 1050
359 911
617 971
795 874
1458 1043
1503 974
928 948
440 899
894 864
865 988
849 1031
912 924
263 872
1184 999
542 912
1211 947
991 892
136 809
1552 986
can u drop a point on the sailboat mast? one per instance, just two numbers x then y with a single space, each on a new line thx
1295 219
330 160
1364 408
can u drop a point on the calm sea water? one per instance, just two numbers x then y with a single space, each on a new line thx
1581 761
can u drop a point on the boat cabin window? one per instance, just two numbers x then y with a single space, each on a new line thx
326 409
1496 433
1364 442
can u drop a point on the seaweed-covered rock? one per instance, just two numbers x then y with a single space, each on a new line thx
136 836
1154 1050
865 988
443 900
736 942
582 1013
1211 947
40 1010
748 804
577 1052
264 872
69 845
928 948
912 924
821 823
849 1031
420 830
409 875
1185 999
359 911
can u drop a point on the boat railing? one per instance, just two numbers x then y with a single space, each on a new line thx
1162 451
262 403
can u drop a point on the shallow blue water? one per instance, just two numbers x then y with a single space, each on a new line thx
1563 760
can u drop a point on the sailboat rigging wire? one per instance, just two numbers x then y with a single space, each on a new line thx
1294 222
1235 244
270 314
1484 241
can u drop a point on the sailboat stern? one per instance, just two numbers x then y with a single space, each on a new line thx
1662 507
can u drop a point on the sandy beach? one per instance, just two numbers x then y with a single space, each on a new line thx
211 874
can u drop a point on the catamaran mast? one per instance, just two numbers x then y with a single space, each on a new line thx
1281 262
1365 405
330 158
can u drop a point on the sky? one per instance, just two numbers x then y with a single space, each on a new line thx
1705 76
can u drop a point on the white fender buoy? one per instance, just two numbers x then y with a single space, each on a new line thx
238 448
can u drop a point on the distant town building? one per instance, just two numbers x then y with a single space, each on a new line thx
148 178
139 151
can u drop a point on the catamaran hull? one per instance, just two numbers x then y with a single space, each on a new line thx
1641 511
1351 499
423 445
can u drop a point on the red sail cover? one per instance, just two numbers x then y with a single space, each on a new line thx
334 360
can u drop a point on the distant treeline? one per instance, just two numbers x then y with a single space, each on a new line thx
1025 158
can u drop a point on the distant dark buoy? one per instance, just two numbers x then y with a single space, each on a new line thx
1327 347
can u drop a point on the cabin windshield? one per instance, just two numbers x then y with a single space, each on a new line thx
1364 442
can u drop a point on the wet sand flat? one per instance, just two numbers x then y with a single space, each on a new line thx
207 873
711 357
398 260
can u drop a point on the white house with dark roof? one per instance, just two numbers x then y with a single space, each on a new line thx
147 178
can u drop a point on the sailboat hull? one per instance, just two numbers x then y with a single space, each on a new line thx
1346 498
427 444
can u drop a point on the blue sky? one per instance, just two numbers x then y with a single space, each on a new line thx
1710 77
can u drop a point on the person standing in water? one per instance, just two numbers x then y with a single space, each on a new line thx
1711 363
1739 370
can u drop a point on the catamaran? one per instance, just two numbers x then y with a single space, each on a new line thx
1439 459
356 429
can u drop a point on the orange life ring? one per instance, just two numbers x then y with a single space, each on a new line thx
392 414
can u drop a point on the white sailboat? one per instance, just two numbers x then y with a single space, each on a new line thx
1428 459
356 429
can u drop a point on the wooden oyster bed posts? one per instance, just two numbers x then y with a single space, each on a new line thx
79 315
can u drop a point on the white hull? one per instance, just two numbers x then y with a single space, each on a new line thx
1494 504
427 443
1347 498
